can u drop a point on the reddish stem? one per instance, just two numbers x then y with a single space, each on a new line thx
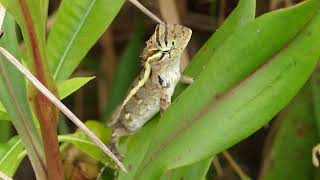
46 113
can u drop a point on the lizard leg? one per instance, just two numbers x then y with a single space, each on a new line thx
117 133
315 153
185 79
114 147
165 100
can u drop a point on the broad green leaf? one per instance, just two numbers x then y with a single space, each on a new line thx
67 87
126 71
4 116
228 97
135 148
2 108
11 155
191 172
77 26
243 14
14 98
292 138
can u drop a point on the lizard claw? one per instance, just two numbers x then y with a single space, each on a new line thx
315 153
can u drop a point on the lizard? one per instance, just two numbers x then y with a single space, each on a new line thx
152 90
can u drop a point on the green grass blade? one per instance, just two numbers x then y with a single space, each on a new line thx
9 42
11 155
77 26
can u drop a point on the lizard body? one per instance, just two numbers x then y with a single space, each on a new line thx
153 88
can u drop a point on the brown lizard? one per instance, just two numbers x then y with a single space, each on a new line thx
153 88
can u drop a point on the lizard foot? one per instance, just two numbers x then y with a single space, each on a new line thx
315 153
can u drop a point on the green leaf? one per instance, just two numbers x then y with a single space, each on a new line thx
4 116
77 27
65 89
126 71
191 172
11 155
13 152
83 143
232 94
2 108
10 42
135 148
292 137
69 86
31 15
243 14
14 98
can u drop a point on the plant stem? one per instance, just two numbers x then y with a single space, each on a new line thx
235 166
46 113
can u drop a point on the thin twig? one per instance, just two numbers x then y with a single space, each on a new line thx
217 166
61 106
235 166
4 177
146 11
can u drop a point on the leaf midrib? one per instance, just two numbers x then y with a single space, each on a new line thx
71 42
12 148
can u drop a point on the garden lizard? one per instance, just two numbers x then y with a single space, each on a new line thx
153 88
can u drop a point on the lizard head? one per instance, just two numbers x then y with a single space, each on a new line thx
167 43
